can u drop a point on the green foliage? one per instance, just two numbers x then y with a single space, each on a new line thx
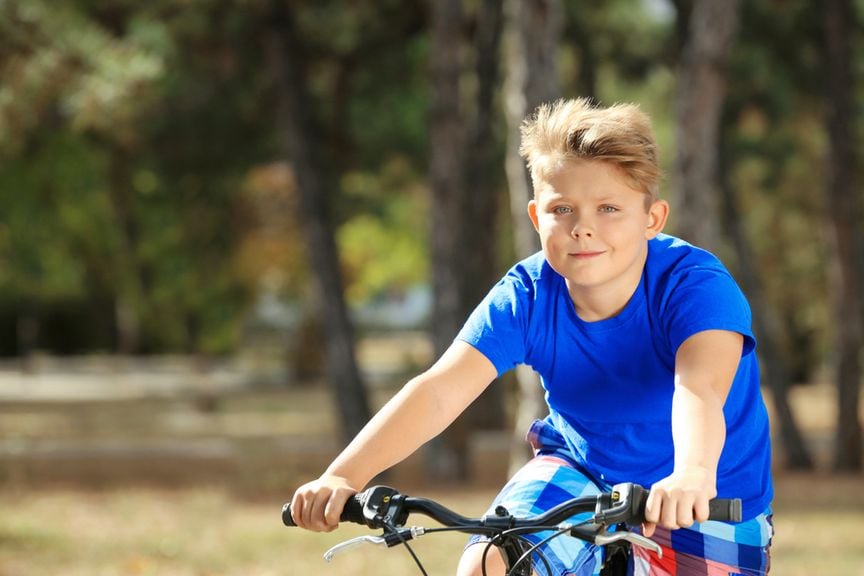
137 140
103 83
51 235
128 131
776 144
384 252
61 61
388 115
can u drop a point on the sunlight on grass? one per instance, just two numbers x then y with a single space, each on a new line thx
217 532
210 532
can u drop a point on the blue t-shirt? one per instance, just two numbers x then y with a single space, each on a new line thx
609 383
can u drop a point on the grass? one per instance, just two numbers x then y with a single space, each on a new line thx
223 518
189 532
213 532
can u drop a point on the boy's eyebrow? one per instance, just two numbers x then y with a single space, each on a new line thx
547 191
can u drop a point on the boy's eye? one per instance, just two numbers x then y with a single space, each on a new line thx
608 209
562 210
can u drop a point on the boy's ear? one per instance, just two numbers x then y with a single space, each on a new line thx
532 213
657 215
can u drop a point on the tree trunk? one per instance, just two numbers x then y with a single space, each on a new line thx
480 198
701 93
844 216
532 36
447 457
533 29
27 328
301 144
462 182
683 13
768 327
129 288
707 46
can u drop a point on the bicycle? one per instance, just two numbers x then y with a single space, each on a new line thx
382 507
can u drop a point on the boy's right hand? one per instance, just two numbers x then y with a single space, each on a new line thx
317 505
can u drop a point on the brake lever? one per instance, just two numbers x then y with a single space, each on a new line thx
389 539
632 538
353 543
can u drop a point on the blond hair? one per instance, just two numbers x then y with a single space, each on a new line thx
578 130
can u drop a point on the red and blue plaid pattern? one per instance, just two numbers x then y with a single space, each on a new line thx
710 549
707 549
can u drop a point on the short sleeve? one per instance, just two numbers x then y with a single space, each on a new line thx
497 327
707 298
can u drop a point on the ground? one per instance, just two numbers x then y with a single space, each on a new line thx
213 531
152 477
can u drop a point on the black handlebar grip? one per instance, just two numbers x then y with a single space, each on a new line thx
353 512
719 509
287 519
725 509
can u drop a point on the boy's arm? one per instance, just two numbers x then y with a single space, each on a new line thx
418 413
705 366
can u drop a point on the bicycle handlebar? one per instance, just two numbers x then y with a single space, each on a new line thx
380 506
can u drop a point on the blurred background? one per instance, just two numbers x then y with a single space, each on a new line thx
231 229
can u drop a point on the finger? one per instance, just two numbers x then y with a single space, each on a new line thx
652 513
701 509
334 507
648 529
669 512
684 507
308 499
652 507
313 517
297 509
309 517
316 512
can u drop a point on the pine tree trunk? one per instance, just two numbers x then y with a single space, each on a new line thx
532 36
768 328
701 93
463 185
301 145
480 198
447 455
129 288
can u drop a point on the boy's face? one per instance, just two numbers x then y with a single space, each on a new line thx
594 228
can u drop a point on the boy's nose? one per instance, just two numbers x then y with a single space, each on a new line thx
581 230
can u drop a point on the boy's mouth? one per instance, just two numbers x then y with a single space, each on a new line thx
585 255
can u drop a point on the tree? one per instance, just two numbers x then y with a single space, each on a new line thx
737 150
302 148
59 63
844 217
463 187
532 36
701 92
767 325
697 221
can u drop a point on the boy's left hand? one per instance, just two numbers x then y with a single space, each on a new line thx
680 499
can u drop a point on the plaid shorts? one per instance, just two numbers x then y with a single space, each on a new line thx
706 549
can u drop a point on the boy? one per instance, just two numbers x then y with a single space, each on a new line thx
646 354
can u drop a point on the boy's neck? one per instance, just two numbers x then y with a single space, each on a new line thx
595 303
